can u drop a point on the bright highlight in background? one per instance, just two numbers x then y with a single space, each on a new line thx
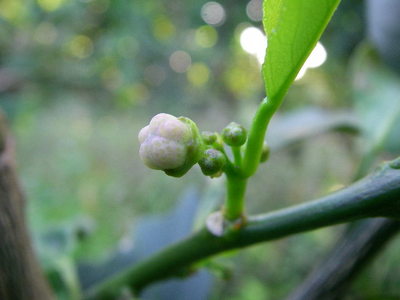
253 41
317 58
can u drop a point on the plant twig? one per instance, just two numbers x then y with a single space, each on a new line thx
236 189
253 148
374 196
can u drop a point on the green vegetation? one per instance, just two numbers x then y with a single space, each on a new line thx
78 79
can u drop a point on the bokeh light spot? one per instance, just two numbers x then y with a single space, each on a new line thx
254 10
198 74
11 9
163 28
50 5
213 13
317 57
239 85
301 73
254 41
137 93
80 46
180 61
206 36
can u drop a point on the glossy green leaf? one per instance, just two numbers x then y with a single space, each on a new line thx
293 28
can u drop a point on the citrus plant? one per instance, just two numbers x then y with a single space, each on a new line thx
174 145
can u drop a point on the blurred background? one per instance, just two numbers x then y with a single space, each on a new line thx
78 79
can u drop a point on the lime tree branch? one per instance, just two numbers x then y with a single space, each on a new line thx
374 196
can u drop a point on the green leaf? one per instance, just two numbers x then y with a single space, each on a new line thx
293 28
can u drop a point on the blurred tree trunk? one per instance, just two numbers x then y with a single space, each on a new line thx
20 274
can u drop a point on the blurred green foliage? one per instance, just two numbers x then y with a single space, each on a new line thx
78 79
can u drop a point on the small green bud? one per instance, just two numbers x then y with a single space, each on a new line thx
212 162
234 135
209 138
170 144
265 152
219 143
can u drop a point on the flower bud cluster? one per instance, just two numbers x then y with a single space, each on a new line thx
174 145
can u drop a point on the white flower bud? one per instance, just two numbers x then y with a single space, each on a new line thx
170 144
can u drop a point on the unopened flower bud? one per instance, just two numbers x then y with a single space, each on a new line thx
219 143
234 135
170 144
265 152
212 162
209 137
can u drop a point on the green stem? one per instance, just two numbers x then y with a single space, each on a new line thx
254 145
237 155
236 189
237 180
374 196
